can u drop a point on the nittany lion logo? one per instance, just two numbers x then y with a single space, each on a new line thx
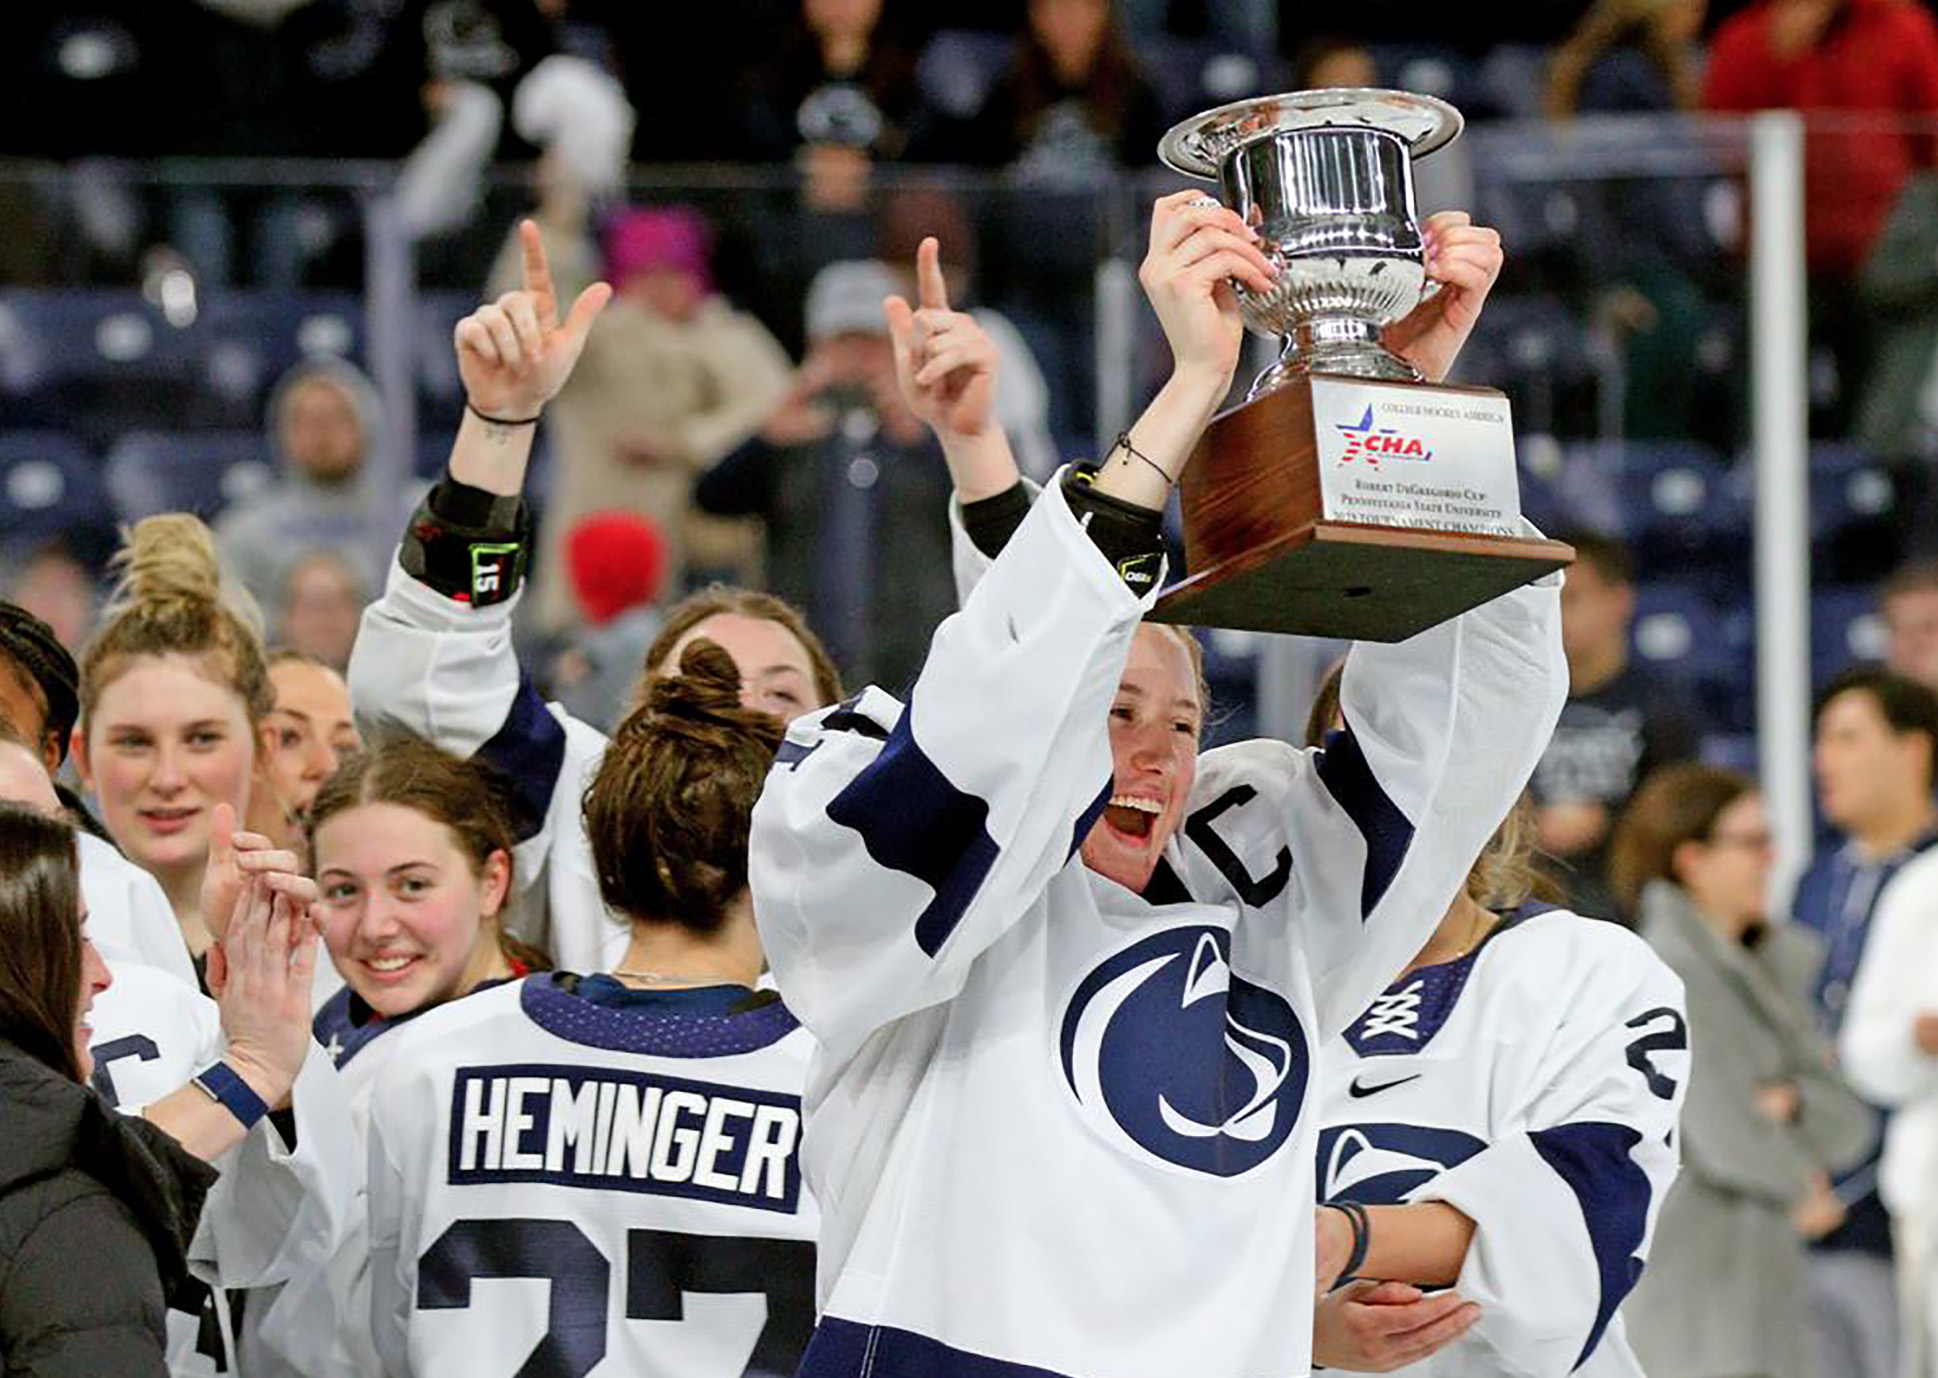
1379 1164
1174 1057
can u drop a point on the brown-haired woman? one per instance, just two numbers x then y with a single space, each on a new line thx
1767 1118
1526 1062
96 1210
435 656
175 692
311 732
411 849
670 1089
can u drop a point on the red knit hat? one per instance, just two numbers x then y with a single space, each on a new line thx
616 561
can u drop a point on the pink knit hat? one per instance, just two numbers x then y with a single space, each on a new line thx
675 237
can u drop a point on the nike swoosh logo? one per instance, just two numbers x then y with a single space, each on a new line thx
1358 1092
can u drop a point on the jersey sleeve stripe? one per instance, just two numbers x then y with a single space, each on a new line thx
1088 820
1348 777
529 747
913 820
848 1349
1594 1160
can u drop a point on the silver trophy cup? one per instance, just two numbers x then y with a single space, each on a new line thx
1326 177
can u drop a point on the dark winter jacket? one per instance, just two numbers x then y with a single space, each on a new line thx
96 1213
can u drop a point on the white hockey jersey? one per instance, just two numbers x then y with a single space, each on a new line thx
1057 1128
276 1211
448 672
317 1325
568 1178
129 917
1535 1085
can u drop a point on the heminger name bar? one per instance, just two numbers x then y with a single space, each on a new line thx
608 1130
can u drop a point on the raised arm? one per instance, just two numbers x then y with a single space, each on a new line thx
434 656
893 845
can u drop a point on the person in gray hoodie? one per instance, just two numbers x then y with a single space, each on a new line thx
324 421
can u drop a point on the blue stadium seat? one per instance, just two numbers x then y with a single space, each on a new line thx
1682 507
1845 627
1513 78
282 328
1730 751
434 364
1854 524
1432 69
1231 671
1532 348
50 485
95 360
1681 632
156 471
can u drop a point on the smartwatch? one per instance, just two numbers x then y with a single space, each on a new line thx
225 1086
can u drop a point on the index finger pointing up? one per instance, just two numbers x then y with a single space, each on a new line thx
538 275
932 287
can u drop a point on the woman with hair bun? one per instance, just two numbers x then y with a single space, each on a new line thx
619 1140
175 691
434 656
172 741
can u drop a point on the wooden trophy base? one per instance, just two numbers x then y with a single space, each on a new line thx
1264 555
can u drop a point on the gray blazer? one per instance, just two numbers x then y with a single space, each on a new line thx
1723 1296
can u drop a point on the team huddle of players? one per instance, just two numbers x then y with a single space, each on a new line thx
1084 1054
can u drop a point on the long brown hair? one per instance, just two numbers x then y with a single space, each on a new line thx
1613 24
669 812
171 601
1676 804
40 937
1112 85
716 599
461 795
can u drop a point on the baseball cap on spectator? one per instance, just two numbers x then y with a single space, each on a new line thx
616 562
677 237
846 299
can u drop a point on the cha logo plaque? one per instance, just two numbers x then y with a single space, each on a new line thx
1178 1060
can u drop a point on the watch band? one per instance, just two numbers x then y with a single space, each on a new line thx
225 1086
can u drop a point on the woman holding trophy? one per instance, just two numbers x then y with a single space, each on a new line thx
1069 977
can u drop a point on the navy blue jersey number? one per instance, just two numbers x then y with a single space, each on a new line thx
662 1267
1671 1037
575 1331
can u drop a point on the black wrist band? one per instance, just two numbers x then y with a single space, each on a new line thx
500 420
464 504
468 544
1362 1224
990 522
1129 536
